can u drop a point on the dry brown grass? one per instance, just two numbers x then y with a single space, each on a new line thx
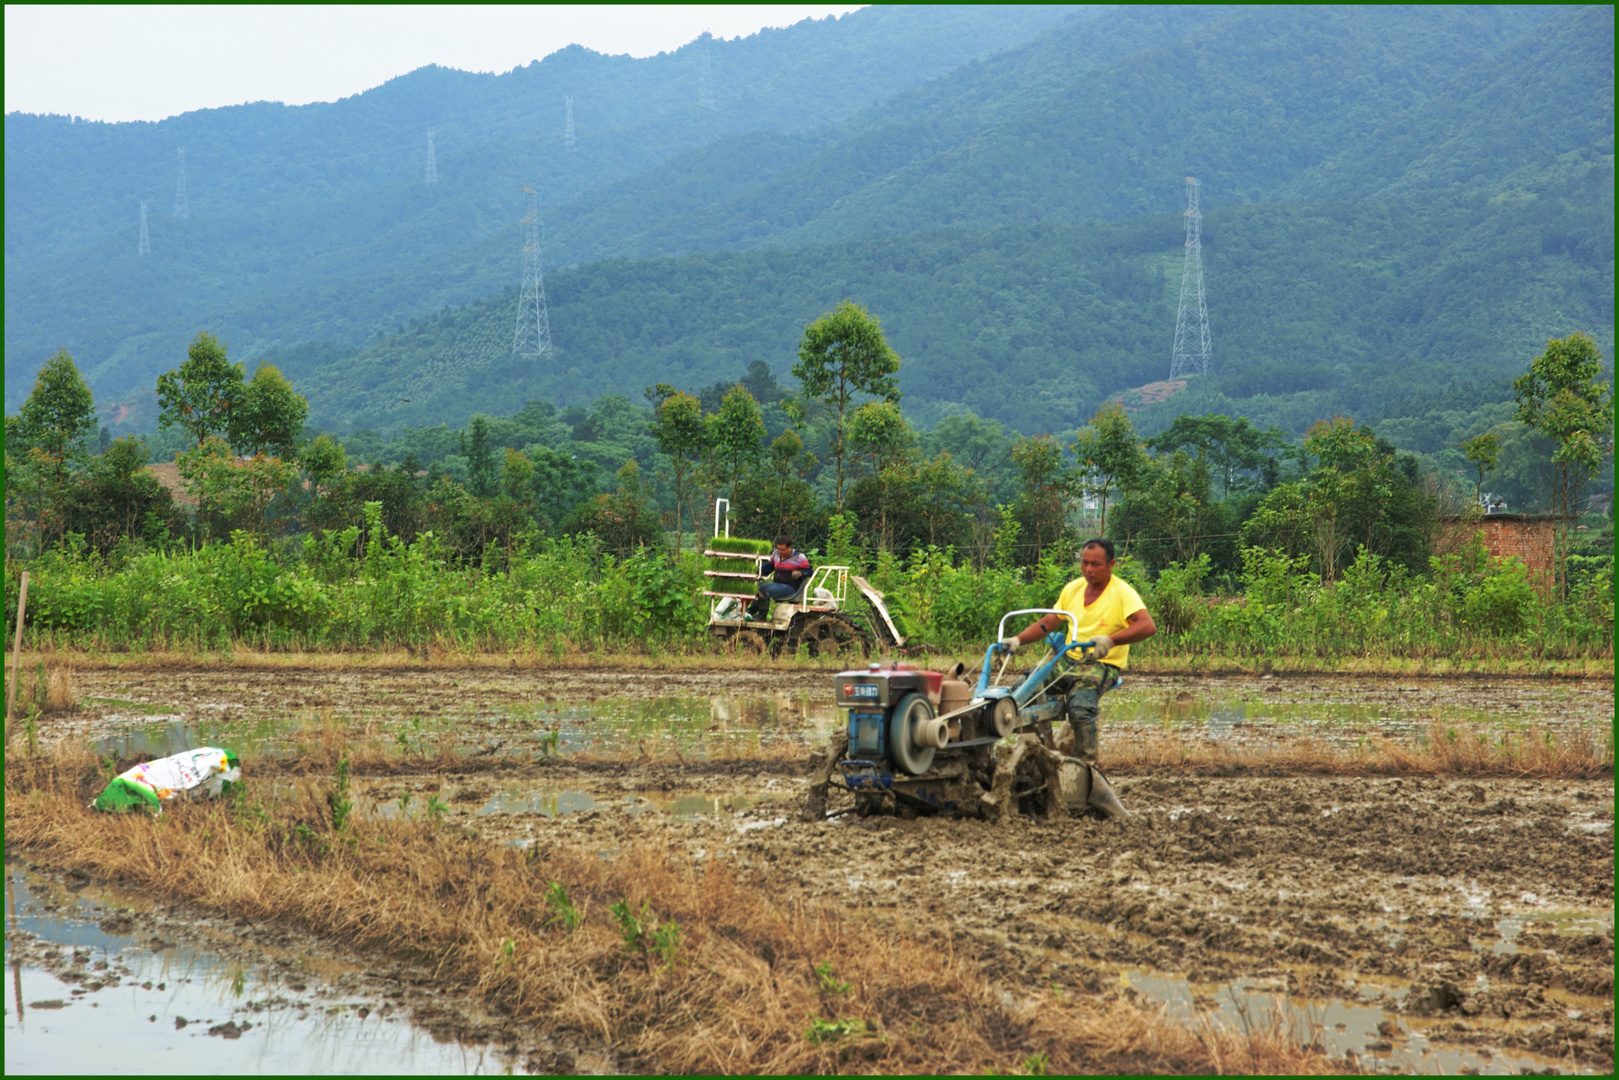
740 997
47 688
1446 750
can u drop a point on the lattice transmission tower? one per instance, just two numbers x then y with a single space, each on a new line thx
567 130
146 239
1191 354
182 208
705 85
432 159
533 335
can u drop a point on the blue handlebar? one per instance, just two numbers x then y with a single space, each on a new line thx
1056 639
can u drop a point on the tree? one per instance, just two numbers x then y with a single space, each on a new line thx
1560 397
1482 451
777 501
201 396
120 499
1230 447
734 437
270 415
843 355
480 459
53 424
1360 494
232 494
684 439
324 460
1109 455
622 521
1173 509
1048 490
878 431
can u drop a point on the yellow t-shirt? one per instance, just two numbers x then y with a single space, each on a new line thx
1106 616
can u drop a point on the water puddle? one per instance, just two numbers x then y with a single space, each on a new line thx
87 998
1382 1041
1252 711
700 726
1346 713
160 736
550 802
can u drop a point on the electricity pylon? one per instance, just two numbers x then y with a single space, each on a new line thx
182 208
533 335
432 159
1191 353
146 239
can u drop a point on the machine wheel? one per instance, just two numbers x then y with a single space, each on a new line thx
830 636
914 759
751 643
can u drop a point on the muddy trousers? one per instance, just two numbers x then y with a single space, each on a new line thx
1092 679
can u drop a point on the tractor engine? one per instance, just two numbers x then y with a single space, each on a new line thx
898 749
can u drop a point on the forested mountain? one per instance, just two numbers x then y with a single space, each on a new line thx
1386 191
314 222
1102 120
1030 325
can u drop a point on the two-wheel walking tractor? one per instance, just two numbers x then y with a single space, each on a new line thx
915 742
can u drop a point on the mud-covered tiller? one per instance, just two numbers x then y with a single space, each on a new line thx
913 742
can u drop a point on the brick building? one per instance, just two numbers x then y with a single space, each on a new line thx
1531 537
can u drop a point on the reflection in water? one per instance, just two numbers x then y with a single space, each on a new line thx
161 736
697 726
178 1010
1340 1027
550 802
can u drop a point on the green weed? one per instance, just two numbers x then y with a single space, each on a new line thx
825 1031
643 933
342 806
830 983
436 808
567 915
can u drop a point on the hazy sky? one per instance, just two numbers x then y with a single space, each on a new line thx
149 62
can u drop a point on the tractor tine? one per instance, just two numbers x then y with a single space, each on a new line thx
1102 795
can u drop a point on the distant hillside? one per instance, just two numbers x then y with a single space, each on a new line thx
1102 119
1392 195
1034 325
314 222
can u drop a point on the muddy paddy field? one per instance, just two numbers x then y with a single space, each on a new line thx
1397 920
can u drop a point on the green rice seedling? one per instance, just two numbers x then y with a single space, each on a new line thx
568 916
436 808
741 558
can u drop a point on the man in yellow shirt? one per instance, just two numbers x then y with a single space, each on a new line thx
1107 611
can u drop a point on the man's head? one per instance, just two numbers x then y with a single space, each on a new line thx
784 546
1096 562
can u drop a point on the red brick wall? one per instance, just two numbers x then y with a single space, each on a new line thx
1529 537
